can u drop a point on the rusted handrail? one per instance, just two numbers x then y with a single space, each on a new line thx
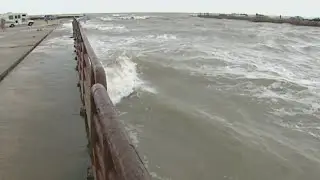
113 157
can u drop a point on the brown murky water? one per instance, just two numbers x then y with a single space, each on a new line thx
215 99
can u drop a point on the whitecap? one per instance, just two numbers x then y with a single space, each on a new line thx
134 17
122 74
159 37
53 44
156 176
123 78
106 27
105 18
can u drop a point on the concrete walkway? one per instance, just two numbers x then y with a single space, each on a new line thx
15 45
42 135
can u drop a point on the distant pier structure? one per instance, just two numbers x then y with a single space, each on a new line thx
297 20
57 16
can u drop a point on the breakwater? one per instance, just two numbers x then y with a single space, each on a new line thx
57 16
298 21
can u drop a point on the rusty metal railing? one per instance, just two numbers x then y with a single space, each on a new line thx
113 157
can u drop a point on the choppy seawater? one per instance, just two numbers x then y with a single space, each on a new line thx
214 99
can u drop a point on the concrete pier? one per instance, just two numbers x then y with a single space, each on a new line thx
58 16
42 135
17 43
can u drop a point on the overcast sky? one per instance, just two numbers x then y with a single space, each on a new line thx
285 7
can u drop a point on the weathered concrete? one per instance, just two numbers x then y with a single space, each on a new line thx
42 135
16 44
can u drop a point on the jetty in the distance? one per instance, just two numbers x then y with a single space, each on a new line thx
56 16
296 20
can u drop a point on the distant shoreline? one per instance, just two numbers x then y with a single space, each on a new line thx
297 20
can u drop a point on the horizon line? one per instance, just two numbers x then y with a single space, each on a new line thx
162 12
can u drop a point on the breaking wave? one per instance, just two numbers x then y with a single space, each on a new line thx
123 77
53 44
115 17
106 27
162 37
273 68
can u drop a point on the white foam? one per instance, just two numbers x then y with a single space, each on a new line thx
141 17
65 26
123 17
123 79
106 27
289 81
156 176
164 37
134 17
167 37
105 18
52 44
122 75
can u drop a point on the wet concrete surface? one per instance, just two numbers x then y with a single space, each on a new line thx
15 44
42 135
